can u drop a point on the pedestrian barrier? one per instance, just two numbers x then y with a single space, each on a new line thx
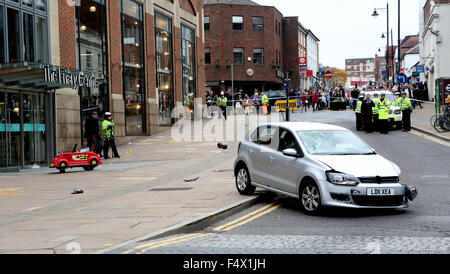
281 105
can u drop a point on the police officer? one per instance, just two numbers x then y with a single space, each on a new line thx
375 111
405 104
108 136
383 114
359 124
367 115
265 102
222 103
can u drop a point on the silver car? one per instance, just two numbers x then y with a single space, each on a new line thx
321 165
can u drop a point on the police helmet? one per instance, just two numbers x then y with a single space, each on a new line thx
383 94
107 113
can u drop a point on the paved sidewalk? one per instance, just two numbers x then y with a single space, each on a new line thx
142 193
420 119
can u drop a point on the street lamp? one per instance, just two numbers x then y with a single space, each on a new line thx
375 15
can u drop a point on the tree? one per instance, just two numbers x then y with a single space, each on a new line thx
339 77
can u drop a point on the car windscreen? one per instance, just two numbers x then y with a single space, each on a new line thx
333 142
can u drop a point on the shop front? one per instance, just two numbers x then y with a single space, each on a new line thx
27 111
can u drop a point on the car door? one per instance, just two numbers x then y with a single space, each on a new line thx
259 148
285 171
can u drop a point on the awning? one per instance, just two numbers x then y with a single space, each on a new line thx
32 76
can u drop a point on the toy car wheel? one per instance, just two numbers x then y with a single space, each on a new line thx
62 167
94 162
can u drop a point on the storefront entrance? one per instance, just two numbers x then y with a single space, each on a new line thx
25 129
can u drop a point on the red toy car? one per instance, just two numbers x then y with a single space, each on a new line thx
87 160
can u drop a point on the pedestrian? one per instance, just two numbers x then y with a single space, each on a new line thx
304 100
405 104
375 112
222 104
256 102
108 136
247 104
383 114
315 100
367 113
209 103
92 133
239 108
359 124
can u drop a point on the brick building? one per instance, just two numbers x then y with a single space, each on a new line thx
64 59
249 37
360 71
295 51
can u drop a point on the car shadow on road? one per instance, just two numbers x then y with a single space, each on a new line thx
334 212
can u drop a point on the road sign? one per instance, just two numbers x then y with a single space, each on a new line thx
302 60
321 70
287 85
420 69
328 74
402 78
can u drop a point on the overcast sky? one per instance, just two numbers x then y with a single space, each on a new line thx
346 28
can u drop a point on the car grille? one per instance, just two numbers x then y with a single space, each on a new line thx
379 180
379 201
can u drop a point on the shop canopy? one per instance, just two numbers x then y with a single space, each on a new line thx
32 76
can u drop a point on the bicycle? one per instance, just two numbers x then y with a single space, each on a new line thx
443 123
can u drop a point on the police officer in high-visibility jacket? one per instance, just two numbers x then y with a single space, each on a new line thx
222 103
375 112
383 114
359 124
265 103
108 136
405 104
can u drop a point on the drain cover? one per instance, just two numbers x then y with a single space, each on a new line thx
171 189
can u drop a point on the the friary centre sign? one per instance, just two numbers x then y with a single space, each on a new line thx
75 80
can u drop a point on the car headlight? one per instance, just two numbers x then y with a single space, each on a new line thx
342 179
397 112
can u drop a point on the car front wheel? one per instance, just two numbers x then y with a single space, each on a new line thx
243 182
310 201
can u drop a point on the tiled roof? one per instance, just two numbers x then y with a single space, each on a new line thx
408 43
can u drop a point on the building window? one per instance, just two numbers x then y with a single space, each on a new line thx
206 23
133 62
189 75
238 56
276 27
164 68
23 31
238 22
258 24
258 56
91 42
207 55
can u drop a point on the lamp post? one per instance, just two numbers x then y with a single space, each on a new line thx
375 15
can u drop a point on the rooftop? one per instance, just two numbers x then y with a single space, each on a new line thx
231 2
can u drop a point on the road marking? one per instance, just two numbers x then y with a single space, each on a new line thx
436 140
10 192
174 242
160 242
225 226
254 217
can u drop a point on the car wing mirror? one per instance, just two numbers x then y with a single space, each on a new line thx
290 152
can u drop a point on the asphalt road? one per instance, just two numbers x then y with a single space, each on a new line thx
278 226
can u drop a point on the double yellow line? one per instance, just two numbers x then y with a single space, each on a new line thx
146 247
249 217
436 140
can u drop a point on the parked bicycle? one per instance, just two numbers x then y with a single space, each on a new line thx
441 122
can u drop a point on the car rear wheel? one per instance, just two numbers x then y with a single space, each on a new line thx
310 201
243 182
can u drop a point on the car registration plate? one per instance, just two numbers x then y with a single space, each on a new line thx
380 192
